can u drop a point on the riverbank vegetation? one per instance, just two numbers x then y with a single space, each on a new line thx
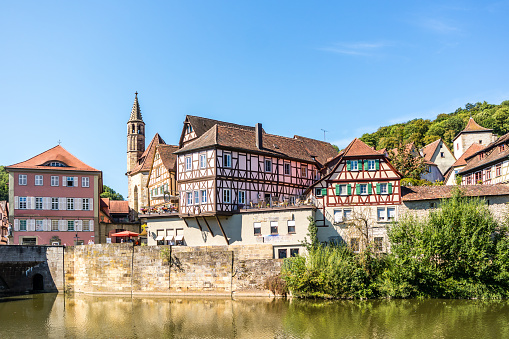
458 251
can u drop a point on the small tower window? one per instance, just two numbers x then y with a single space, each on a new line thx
133 128
480 141
139 130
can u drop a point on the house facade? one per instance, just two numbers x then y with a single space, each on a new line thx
162 180
55 199
5 226
472 134
450 177
359 196
489 165
439 154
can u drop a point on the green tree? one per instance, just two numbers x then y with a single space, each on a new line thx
4 184
111 194
406 163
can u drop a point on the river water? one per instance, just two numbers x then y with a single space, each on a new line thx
84 316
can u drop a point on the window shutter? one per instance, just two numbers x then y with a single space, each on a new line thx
91 204
45 203
64 181
377 164
91 225
337 189
32 225
370 188
75 180
61 225
366 164
357 189
348 165
377 188
324 191
16 225
349 189
16 203
77 225
389 188
78 204
62 204
31 203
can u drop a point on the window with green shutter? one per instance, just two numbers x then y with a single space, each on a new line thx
348 165
370 189
390 188
377 164
377 188
324 191
349 189
366 165
357 189
337 190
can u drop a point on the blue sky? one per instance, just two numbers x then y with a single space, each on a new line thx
69 69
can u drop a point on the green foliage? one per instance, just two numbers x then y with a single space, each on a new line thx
312 234
458 251
445 126
336 148
110 193
4 184
406 163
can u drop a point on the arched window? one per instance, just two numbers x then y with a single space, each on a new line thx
133 129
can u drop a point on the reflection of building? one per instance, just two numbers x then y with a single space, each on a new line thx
55 198
115 216
4 223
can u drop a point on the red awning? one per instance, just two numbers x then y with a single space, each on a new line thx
125 234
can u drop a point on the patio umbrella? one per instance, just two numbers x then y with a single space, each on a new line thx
125 234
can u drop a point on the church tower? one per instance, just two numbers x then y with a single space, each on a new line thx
135 136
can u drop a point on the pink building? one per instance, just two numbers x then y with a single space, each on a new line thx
55 199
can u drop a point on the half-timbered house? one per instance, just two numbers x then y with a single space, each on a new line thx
162 179
359 196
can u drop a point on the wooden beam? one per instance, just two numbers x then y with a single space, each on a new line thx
206 223
185 222
222 230
198 221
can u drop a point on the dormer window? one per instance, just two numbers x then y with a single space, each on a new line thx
501 148
189 128
55 164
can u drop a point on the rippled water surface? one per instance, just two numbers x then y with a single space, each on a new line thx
82 316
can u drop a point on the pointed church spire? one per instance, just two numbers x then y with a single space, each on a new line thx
136 112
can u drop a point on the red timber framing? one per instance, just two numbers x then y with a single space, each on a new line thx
358 184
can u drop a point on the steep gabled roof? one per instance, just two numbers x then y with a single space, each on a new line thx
145 161
472 127
492 153
57 153
474 148
416 193
429 150
272 145
358 148
167 157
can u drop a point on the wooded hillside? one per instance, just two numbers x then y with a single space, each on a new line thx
445 126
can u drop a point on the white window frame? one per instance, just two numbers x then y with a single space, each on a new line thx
189 163
85 204
285 166
54 180
69 180
340 215
257 226
350 215
384 188
189 198
203 160
85 182
343 189
22 179
38 203
386 213
276 225
196 197
39 225
227 196
268 165
23 202
227 160
318 192
303 172
39 180
242 197
291 223
70 204
53 224
356 162
371 165
53 202
363 189
203 195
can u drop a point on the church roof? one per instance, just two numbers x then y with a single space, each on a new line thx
145 161
472 127
55 154
135 111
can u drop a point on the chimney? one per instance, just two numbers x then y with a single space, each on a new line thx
258 136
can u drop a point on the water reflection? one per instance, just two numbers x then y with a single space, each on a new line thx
82 316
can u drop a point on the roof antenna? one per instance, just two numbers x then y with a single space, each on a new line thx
59 142
324 131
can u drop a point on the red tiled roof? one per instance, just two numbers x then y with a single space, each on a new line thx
474 148
57 153
472 127
119 206
167 157
416 193
358 148
430 149
272 145
145 161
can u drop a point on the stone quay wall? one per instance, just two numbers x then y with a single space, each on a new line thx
204 270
